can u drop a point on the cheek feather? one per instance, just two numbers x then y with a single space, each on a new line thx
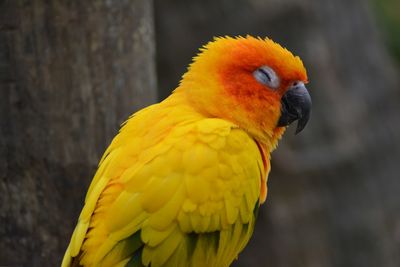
254 99
242 86
238 86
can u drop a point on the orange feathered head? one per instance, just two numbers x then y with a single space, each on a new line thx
253 82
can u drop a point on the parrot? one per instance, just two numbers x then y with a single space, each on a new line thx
181 183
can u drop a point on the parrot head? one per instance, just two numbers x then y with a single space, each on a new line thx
252 82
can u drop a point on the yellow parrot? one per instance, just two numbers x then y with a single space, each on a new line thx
181 183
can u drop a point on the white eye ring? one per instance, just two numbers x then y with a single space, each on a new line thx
267 76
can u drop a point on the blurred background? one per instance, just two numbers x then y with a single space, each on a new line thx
72 71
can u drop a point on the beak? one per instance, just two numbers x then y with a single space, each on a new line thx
295 105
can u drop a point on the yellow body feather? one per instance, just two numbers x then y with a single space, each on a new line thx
181 183
180 187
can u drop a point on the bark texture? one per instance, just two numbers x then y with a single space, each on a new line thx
70 73
334 190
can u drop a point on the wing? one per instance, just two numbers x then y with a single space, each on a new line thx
187 200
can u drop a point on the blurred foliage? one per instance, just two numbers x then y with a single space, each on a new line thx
388 13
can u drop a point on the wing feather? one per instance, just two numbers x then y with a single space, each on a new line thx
179 201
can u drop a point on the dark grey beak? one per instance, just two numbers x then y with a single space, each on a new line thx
295 105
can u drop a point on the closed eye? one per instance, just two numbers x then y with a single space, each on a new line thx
267 76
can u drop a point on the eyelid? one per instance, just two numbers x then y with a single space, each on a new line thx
267 76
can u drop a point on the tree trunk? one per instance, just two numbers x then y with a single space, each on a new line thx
70 73
333 190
